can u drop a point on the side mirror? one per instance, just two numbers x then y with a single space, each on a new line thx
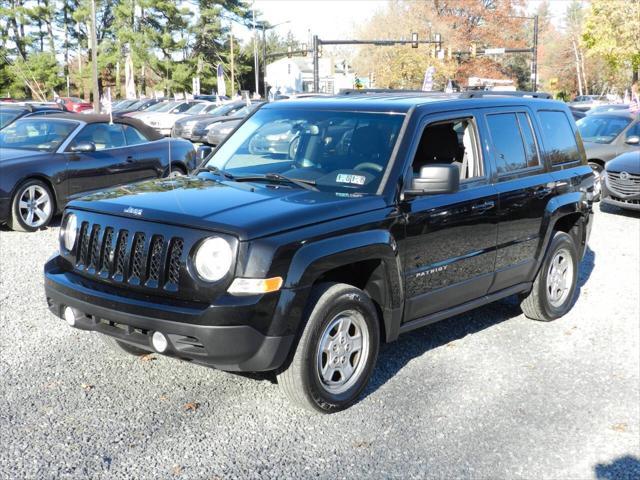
437 178
83 147
633 140
203 152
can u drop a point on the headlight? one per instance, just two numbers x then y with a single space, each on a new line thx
69 232
213 259
226 130
209 127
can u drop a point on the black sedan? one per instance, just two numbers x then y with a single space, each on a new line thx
10 112
621 185
47 161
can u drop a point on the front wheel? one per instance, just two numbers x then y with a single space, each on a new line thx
32 207
555 285
337 351
598 170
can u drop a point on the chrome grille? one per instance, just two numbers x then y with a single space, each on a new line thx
132 258
629 186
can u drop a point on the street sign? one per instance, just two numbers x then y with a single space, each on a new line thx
494 51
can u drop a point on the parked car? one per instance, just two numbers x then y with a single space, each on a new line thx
585 102
157 119
621 181
164 123
138 106
577 114
212 98
200 128
47 161
151 108
608 135
218 131
382 221
609 107
9 113
75 104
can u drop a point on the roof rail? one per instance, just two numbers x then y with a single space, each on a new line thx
466 94
499 93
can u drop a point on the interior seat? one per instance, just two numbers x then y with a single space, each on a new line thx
439 144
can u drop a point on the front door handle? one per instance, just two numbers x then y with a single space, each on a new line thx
480 207
129 159
542 192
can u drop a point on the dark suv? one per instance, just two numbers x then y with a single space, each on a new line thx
387 212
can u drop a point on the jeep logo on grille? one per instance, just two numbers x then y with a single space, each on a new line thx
133 211
624 175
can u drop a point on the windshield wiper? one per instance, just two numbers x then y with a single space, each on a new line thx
277 177
216 170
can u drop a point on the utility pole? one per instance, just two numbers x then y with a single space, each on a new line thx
255 50
233 78
534 62
94 58
316 73
81 82
264 60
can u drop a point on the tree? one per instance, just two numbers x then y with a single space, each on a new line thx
612 32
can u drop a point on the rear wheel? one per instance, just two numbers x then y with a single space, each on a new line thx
598 170
32 207
337 351
555 285
174 172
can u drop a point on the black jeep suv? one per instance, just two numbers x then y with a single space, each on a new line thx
386 212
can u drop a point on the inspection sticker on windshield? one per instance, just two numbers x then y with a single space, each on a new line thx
352 179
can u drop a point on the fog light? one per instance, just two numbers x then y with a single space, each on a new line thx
71 315
159 342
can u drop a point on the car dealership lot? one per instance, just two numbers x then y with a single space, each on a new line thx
486 394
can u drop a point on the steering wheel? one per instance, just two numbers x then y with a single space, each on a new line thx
369 166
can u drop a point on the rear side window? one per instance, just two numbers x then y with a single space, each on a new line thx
133 136
559 139
508 144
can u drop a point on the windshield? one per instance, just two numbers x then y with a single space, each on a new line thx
8 115
335 151
165 107
601 129
35 134
196 108
125 104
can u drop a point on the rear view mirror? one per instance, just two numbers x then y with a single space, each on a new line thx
203 152
633 140
437 178
83 147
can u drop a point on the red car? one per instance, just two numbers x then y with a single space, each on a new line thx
75 104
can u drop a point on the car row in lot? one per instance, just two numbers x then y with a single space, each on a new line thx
47 161
10 112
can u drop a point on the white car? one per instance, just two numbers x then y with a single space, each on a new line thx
164 122
156 119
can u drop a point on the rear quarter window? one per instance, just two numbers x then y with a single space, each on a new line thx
558 137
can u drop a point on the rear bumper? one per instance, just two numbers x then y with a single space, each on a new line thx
190 332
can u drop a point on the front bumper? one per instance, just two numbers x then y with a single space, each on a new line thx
612 197
191 330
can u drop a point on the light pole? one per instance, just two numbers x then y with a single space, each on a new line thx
94 58
534 51
264 51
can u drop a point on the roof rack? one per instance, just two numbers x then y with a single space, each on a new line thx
466 94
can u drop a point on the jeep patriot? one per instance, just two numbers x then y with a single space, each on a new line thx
322 227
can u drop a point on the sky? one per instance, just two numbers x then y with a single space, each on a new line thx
333 19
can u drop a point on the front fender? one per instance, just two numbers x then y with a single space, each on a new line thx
314 259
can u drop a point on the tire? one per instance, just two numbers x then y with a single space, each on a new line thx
122 347
337 315
597 170
32 207
553 292
174 172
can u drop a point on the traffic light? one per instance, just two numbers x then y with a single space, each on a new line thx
449 53
414 40
473 49
289 51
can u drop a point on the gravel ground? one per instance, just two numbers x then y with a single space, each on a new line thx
488 394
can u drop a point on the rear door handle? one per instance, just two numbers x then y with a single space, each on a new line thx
129 159
479 207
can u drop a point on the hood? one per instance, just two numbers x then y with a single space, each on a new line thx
244 209
204 120
602 151
627 162
13 154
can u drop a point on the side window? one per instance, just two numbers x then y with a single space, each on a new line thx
454 142
133 136
507 142
102 135
531 149
559 139
633 131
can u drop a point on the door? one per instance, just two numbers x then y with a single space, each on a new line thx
449 249
148 155
524 187
107 166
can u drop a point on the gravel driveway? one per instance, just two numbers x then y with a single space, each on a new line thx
488 394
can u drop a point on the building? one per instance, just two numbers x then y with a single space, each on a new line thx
295 75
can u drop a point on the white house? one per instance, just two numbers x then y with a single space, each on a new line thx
295 75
